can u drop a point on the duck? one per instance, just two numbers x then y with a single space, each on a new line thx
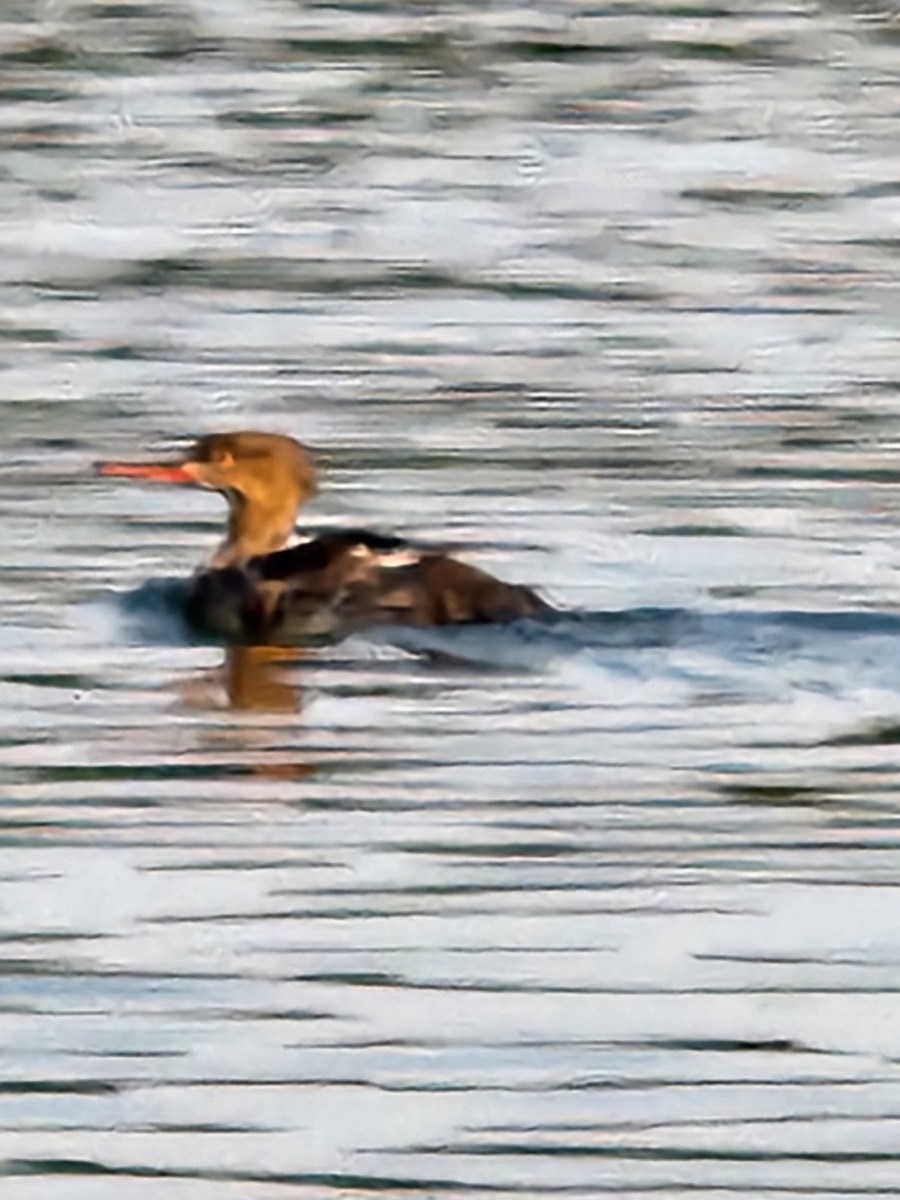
263 585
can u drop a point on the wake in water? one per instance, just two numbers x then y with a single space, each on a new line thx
747 651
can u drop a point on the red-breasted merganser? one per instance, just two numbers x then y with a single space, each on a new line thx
258 587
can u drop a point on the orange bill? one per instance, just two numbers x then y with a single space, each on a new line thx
156 472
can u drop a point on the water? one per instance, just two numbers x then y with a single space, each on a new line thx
606 298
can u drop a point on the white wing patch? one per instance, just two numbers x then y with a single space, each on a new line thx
386 559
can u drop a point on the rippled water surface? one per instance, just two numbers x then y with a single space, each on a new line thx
606 298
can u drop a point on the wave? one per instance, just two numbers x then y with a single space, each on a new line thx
824 650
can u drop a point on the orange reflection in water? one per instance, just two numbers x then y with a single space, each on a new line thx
256 678
252 679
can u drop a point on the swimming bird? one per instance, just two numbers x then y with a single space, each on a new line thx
261 586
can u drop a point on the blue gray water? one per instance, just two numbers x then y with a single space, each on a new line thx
605 297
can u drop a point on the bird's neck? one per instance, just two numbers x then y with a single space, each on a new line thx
255 527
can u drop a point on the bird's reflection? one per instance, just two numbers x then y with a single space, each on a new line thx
257 678
252 679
